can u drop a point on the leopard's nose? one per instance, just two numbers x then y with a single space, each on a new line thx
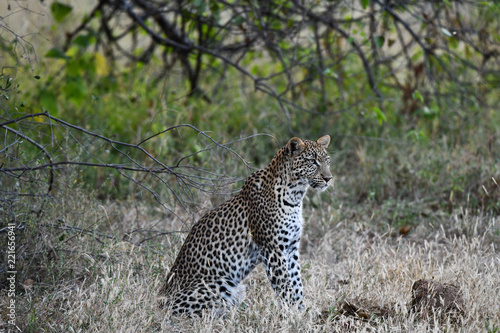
327 179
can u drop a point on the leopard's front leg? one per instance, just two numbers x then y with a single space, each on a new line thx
294 273
277 270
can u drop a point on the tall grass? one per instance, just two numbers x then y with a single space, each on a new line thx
71 280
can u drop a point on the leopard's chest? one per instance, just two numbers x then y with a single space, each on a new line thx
288 228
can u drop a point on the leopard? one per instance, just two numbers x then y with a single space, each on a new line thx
263 223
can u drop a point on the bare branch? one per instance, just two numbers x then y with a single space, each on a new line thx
186 176
47 155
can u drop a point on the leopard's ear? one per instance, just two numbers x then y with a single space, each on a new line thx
324 141
295 146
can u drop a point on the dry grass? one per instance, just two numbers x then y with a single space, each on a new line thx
73 282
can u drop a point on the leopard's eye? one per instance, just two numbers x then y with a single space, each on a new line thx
312 161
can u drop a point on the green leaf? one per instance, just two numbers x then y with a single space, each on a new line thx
418 95
37 77
82 40
454 42
60 11
428 112
329 72
379 41
75 89
380 115
418 136
493 79
201 5
365 3
56 53
238 20
48 100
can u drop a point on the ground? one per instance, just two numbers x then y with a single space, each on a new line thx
348 263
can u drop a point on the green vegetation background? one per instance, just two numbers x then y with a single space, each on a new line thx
440 153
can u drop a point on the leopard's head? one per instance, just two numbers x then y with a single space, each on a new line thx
310 161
